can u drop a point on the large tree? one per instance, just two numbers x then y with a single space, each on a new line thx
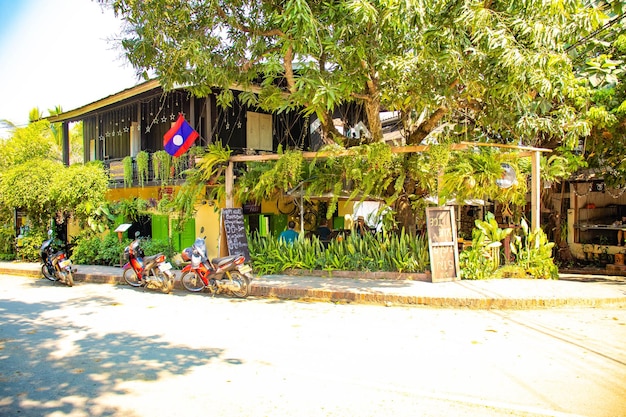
488 71
500 67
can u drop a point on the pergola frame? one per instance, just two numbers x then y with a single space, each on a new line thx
534 153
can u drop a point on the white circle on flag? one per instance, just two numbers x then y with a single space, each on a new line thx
178 140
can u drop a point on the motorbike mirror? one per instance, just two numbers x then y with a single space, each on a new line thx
201 229
49 233
137 234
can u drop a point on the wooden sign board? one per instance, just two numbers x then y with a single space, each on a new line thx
234 231
442 244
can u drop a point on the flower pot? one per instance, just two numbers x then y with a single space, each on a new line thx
619 259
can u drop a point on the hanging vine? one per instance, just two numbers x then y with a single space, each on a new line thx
162 163
142 159
128 171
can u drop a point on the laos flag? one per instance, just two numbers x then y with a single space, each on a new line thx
179 138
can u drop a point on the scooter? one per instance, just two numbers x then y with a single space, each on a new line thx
147 271
226 274
57 266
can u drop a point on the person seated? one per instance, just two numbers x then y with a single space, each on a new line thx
289 235
323 231
361 228
621 234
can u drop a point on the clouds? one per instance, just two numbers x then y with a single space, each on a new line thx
58 53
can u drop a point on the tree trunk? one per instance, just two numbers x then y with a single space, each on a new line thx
372 110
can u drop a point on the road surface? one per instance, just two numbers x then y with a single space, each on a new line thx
106 350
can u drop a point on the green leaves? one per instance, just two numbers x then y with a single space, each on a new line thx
384 252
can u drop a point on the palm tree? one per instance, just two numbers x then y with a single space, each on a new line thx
55 127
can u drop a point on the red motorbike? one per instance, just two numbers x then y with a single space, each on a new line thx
227 274
147 271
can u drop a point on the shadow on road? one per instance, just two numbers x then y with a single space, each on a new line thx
48 365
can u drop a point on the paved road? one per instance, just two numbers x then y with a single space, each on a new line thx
107 350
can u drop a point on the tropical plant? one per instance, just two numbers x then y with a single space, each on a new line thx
482 259
393 252
533 253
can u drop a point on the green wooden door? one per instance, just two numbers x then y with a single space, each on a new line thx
184 238
160 227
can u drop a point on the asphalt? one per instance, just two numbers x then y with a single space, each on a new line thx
570 290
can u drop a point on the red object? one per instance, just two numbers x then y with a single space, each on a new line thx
179 138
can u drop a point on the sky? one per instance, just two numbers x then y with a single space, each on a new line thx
57 53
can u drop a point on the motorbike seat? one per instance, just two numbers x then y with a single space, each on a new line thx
224 260
148 259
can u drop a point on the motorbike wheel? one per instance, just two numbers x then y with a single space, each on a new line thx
167 283
244 285
68 278
131 278
191 281
47 274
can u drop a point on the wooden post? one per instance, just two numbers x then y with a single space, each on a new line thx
229 182
535 190
65 141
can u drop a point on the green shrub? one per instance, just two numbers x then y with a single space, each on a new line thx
7 257
111 250
85 248
91 249
154 246
31 247
397 252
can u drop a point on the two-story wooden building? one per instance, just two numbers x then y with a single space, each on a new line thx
134 120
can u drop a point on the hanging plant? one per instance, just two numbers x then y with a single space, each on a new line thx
179 165
161 161
128 171
142 159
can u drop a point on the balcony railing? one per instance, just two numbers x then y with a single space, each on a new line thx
172 175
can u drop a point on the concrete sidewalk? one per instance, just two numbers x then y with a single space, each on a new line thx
570 290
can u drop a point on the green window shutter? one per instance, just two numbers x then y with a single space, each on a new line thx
160 227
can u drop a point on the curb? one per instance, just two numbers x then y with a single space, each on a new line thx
389 300
298 292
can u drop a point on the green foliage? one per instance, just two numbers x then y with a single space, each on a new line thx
283 174
93 249
154 246
86 248
142 159
127 162
31 244
33 142
533 253
483 258
393 252
162 166
131 208
101 219
27 186
79 190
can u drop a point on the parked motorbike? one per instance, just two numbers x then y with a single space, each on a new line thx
57 266
147 271
228 274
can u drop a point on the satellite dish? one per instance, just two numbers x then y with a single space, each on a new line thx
509 177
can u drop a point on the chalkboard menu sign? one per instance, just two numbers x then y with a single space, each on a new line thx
442 244
235 232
